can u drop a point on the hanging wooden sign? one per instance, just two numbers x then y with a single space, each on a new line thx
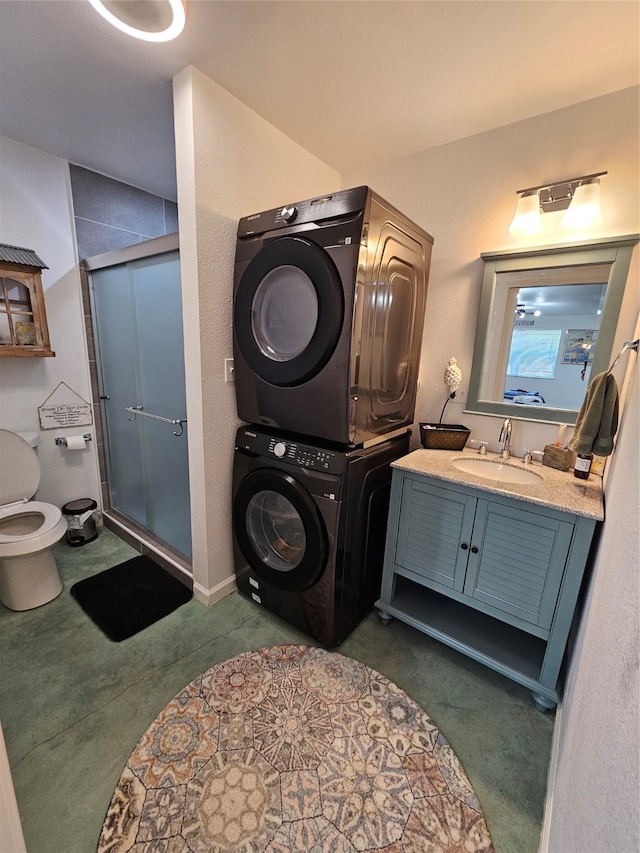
64 408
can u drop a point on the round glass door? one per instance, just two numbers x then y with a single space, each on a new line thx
288 311
279 529
276 530
284 314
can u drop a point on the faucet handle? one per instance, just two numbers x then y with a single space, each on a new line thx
482 448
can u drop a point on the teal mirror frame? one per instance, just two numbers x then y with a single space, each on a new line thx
616 251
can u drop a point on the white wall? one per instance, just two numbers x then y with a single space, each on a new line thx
35 212
231 163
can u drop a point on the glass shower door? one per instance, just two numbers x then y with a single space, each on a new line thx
138 321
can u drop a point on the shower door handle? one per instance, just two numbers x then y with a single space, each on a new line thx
137 410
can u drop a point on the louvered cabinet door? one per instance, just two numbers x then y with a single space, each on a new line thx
434 532
517 560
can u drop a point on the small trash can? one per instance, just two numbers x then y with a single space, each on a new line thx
81 525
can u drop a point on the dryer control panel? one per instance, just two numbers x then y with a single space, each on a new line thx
325 207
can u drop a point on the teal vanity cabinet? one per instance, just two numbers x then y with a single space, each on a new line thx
486 571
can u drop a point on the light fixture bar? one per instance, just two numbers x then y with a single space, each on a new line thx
548 186
558 195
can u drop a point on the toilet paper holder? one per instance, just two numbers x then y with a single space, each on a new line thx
62 439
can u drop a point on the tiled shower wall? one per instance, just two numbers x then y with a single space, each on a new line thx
111 215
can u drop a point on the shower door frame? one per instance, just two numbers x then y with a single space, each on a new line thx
142 539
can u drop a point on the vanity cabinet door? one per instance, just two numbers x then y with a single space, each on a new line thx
434 533
517 561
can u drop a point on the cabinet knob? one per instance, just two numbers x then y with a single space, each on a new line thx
474 550
464 546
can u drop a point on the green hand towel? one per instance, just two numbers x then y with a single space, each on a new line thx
597 421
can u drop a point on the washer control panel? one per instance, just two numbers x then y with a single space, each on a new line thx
290 450
302 455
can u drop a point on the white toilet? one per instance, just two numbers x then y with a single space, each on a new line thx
28 529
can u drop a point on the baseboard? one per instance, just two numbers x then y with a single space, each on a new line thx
210 596
551 782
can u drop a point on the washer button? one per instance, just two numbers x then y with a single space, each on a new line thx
280 449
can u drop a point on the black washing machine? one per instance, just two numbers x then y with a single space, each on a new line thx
329 299
309 526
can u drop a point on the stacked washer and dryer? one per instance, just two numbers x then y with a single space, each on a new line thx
329 298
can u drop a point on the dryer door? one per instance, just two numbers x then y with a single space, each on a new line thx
279 530
288 311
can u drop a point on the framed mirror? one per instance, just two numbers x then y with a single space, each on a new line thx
546 324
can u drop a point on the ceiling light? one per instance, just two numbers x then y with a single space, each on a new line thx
580 195
150 20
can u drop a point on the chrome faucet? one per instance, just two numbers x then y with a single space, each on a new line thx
505 437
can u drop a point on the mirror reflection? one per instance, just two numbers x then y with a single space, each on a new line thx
546 324
553 335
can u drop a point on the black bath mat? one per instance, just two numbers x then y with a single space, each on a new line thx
129 597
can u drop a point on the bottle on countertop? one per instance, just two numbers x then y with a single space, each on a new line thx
582 465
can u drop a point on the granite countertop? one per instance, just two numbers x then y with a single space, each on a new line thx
556 489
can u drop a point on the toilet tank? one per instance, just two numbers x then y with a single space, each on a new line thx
32 438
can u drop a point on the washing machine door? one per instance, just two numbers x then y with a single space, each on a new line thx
288 311
279 530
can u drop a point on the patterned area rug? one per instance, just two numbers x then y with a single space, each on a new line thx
293 749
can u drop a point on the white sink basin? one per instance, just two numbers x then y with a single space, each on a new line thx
491 470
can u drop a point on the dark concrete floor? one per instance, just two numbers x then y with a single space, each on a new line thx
73 704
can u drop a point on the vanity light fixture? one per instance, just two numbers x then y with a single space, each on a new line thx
580 197
149 20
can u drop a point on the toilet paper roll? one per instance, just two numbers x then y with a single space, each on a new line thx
76 442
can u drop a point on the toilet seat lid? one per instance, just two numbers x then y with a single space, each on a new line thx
19 468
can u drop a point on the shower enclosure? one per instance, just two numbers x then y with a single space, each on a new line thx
137 322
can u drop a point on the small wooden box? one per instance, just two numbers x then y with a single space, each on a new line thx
558 457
